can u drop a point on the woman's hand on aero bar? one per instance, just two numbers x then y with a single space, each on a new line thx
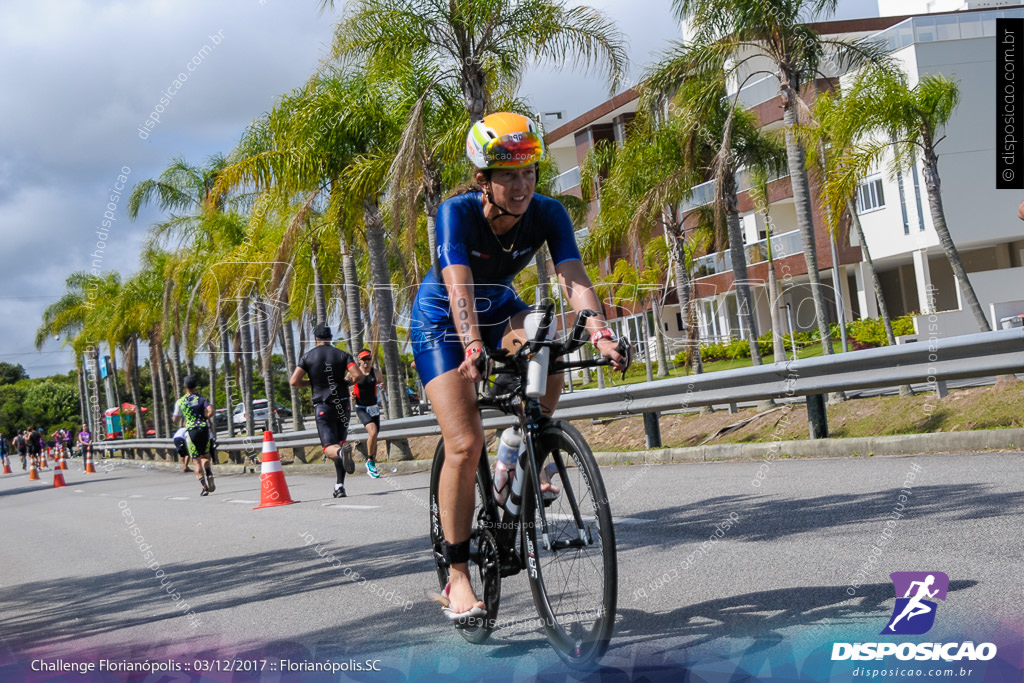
470 367
609 348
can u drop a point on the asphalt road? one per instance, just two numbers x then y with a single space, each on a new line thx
789 572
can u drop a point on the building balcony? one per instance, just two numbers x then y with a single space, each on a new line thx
786 244
564 182
704 194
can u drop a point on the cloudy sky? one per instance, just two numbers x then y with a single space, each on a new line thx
80 77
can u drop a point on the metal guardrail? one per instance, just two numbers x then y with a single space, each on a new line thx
928 361
931 361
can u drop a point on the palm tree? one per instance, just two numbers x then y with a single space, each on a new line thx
430 158
373 119
70 318
630 283
478 47
299 150
476 44
759 194
293 159
642 185
708 136
908 121
837 129
742 33
184 191
137 313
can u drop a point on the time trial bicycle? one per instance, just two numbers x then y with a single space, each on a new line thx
565 542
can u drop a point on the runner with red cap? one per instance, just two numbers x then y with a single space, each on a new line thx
365 394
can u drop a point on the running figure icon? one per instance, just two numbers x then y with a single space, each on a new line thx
919 591
915 606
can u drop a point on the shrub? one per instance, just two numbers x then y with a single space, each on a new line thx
867 332
738 348
870 332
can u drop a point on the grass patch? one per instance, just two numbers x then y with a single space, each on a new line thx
637 373
994 407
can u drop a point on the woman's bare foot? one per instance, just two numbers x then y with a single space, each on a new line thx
461 598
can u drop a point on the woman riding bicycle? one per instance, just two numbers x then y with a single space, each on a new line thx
484 238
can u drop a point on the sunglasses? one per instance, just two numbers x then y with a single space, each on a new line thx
515 150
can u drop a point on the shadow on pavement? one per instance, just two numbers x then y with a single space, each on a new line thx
43 614
763 518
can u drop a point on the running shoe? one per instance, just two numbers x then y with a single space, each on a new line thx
339 492
371 468
211 487
347 461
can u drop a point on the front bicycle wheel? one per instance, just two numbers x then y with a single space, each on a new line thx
483 547
573 572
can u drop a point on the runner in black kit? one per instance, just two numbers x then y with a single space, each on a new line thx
35 446
330 370
365 394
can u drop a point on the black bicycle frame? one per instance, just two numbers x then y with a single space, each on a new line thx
528 412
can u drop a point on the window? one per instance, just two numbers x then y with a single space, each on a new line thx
869 196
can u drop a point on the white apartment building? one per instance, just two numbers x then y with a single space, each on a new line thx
913 269
890 8
982 220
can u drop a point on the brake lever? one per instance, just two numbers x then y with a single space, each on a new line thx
483 364
625 348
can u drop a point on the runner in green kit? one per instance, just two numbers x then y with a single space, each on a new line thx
196 412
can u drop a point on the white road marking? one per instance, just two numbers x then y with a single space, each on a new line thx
351 507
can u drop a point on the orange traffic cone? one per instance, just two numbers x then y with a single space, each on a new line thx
42 461
33 473
7 466
63 462
89 469
273 488
58 478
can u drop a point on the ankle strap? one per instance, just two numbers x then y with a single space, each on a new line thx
455 553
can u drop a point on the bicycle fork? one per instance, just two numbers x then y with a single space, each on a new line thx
584 537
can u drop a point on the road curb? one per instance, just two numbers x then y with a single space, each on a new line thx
901 444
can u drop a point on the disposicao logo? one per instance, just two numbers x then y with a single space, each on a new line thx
914 614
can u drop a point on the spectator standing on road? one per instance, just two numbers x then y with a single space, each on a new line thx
365 394
3 450
330 370
196 412
84 441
